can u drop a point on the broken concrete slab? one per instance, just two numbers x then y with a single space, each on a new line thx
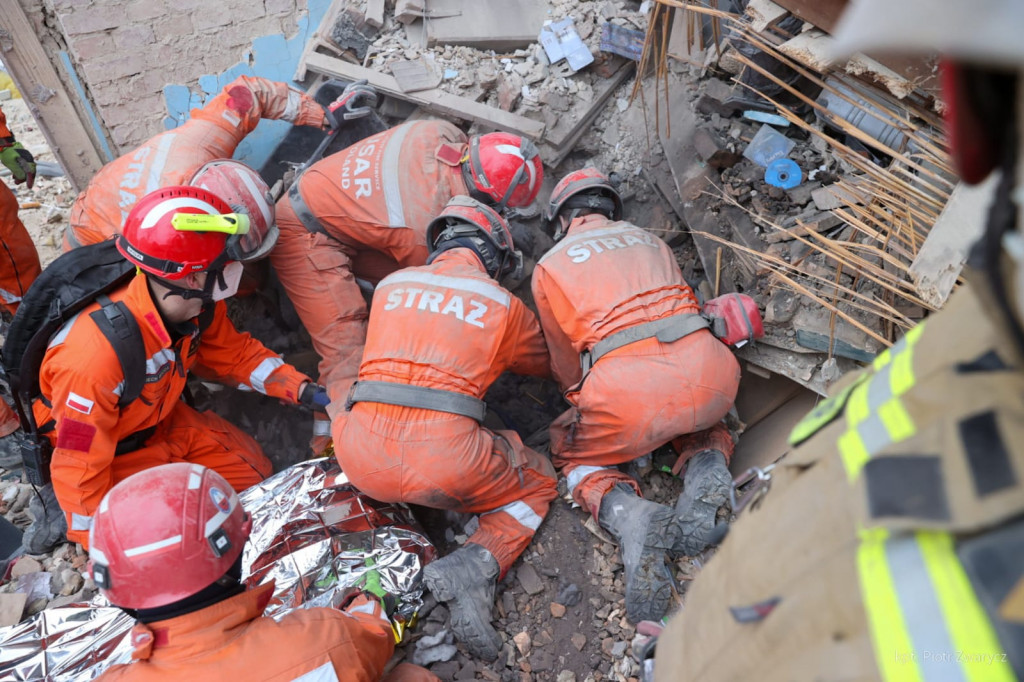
714 96
11 607
712 150
414 75
485 24
942 256
374 15
803 225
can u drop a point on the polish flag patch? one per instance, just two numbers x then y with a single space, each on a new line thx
77 402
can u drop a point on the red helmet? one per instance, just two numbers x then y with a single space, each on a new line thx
504 169
585 188
244 190
468 223
164 534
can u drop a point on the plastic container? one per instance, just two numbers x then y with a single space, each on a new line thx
768 145
861 116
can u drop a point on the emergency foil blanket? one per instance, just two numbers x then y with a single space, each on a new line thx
313 533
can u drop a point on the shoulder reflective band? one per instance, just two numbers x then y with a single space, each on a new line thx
228 223
926 621
875 417
823 413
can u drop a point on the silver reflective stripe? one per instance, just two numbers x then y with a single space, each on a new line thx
156 169
291 109
521 512
217 519
8 297
392 177
321 427
922 612
153 546
195 477
474 286
79 522
621 229
159 360
577 475
263 372
63 332
323 673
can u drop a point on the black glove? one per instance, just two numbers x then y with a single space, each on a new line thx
314 396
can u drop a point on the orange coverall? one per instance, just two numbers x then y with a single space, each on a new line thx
374 200
81 380
20 267
449 326
173 157
603 277
232 640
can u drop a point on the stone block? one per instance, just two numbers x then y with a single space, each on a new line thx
145 10
713 151
96 18
133 38
89 47
213 16
173 25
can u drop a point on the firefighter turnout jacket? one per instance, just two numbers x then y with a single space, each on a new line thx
891 544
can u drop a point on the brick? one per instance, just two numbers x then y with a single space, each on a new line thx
173 26
105 70
132 38
89 47
145 10
93 20
713 151
214 16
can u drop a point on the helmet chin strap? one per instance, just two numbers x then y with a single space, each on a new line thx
213 278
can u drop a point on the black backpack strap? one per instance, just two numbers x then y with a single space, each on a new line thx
118 324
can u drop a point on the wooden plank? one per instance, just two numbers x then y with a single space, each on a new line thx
375 13
486 24
822 13
435 100
50 100
768 440
764 13
813 49
559 142
942 256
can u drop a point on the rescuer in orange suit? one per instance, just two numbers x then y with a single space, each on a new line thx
174 156
438 337
366 208
640 367
189 261
20 265
167 544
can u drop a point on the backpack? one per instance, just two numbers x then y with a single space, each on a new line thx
62 290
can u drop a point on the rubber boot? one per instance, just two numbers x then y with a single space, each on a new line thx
49 526
465 581
706 487
10 450
645 531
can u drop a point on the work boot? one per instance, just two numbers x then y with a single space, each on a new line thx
706 487
49 526
465 581
645 531
10 450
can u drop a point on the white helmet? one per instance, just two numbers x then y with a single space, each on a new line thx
244 190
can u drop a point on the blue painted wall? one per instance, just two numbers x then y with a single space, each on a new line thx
274 58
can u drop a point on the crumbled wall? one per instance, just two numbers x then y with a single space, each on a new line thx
127 53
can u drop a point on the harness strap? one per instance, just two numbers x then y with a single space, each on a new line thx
666 330
309 221
417 396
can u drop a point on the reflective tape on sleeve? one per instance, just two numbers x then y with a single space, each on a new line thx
926 621
521 512
263 372
577 475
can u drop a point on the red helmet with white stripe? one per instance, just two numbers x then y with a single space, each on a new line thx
504 169
244 191
164 534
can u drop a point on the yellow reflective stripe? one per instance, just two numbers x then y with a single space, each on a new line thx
897 422
853 452
977 648
882 359
902 373
894 653
857 408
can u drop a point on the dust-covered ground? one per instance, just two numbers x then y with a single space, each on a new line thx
560 610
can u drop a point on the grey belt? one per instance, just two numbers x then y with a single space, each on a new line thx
417 396
666 330
303 212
